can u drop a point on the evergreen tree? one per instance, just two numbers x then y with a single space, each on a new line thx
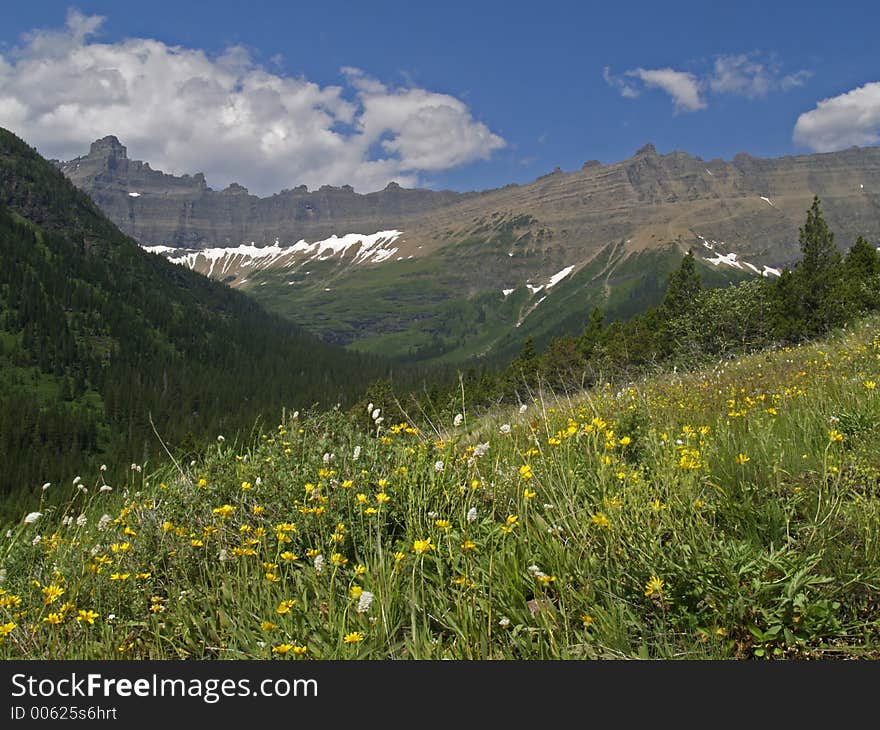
816 274
684 285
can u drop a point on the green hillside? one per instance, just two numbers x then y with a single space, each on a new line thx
98 337
730 513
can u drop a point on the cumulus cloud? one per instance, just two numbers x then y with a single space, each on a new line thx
849 119
228 116
751 75
682 87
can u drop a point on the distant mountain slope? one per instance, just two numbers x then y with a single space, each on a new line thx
97 336
428 291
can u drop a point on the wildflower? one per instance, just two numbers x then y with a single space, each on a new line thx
203 482
654 587
288 555
120 576
54 618
299 650
282 648
471 514
587 619
376 413
319 563
625 441
86 617
742 459
51 593
438 466
285 606
268 626
225 511
105 488
525 472
528 493
505 429
398 556
480 450
468 545
246 486
32 517
835 435
7 628
365 600
46 486
196 542
457 421
338 560
423 546
657 505
443 524
870 384
601 520
381 498
355 637
523 408
357 453
504 622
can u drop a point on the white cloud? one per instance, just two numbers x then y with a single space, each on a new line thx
750 76
849 119
683 87
228 116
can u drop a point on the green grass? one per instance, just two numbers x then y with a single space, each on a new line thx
730 513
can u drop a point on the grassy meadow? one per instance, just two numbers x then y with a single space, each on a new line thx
729 513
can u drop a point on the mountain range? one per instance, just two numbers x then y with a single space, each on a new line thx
442 275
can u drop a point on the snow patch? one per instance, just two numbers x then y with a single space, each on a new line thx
507 292
134 195
556 278
768 201
770 271
729 259
534 289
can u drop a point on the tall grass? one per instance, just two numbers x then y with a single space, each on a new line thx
727 513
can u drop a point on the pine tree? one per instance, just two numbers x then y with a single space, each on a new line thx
817 273
684 285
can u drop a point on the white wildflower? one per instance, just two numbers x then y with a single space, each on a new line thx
505 429
523 408
82 488
2 575
36 540
364 602
438 466
480 450
319 563
376 413
432 514
223 556
82 520
32 517
103 467
46 486
103 522
221 438
357 453
67 521
76 480
328 457
534 569
504 622
547 505
379 420
258 481
458 420
295 415
370 407
105 488
472 514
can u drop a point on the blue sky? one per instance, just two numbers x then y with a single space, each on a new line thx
462 95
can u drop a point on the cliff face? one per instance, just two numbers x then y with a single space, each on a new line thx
753 205
183 212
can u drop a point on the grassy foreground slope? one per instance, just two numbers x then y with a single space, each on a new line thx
728 513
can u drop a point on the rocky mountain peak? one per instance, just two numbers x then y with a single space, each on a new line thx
647 150
108 146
